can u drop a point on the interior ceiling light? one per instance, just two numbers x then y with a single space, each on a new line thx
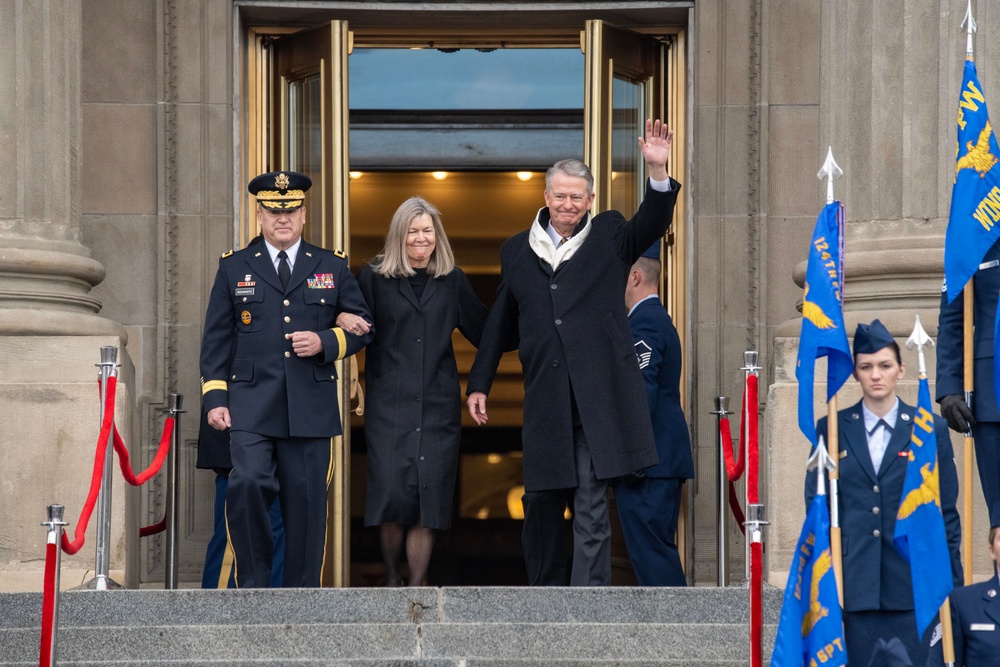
356 174
439 175
524 175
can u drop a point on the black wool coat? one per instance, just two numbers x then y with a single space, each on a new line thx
414 402
571 330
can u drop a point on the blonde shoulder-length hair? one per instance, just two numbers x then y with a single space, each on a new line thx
393 261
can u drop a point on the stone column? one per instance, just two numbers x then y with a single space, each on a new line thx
45 272
50 329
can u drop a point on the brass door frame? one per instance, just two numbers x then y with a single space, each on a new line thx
667 97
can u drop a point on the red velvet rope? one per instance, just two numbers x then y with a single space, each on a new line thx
734 468
95 482
154 467
756 569
48 604
123 463
153 529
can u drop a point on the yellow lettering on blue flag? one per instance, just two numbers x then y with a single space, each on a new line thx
975 197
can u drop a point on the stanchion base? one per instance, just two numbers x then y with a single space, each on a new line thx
100 584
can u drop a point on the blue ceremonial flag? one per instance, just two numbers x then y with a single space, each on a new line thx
975 197
920 535
823 332
811 629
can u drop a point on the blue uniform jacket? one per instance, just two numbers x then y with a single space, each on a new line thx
248 364
658 349
975 622
876 577
950 346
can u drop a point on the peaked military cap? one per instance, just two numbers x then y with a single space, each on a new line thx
280 190
653 251
870 338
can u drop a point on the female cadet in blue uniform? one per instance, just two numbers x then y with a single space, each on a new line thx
874 439
417 297
975 615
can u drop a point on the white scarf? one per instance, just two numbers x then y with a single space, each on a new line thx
547 251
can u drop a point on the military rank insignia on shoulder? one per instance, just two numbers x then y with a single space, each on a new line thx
340 253
227 254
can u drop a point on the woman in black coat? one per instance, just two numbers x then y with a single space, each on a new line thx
417 297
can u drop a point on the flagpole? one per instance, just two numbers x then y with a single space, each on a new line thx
968 451
829 171
918 338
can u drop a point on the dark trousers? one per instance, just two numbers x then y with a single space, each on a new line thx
544 536
219 570
863 629
648 514
296 471
987 438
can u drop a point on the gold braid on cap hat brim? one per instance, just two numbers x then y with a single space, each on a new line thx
277 199
293 203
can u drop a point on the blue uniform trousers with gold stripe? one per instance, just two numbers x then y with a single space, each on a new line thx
297 472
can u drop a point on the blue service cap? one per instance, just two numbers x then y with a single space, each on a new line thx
653 251
870 338
280 190
890 653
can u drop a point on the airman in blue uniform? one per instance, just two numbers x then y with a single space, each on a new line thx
975 615
268 375
649 503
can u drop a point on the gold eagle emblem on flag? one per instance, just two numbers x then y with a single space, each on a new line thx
814 313
979 156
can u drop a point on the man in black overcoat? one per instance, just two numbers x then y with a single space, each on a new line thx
268 375
585 415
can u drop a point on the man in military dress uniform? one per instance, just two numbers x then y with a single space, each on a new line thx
268 374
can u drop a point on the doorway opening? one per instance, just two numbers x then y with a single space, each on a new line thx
471 131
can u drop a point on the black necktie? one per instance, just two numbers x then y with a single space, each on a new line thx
284 270
883 424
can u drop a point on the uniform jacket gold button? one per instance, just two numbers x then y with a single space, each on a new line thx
288 354
322 300
876 532
287 318
875 510
287 302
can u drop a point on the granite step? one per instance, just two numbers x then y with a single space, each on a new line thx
430 627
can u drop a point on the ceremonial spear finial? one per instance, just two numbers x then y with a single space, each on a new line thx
830 170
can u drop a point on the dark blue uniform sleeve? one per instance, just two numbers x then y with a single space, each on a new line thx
338 343
950 348
644 330
217 343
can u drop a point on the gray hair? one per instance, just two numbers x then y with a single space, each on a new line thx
393 261
570 167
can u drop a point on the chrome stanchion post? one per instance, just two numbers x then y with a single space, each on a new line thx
102 582
750 367
55 526
170 578
721 410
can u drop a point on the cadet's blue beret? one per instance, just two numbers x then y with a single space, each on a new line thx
284 190
653 251
870 338
890 653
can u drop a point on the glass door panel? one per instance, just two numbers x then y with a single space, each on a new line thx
628 170
305 142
